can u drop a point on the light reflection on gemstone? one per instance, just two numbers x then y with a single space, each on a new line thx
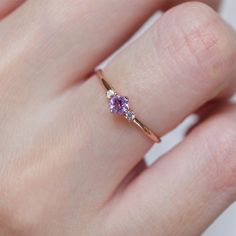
110 94
119 104
129 115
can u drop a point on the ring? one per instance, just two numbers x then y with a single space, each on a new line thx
120 105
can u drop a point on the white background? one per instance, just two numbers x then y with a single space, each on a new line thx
225 225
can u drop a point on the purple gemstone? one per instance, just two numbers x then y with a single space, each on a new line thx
119 104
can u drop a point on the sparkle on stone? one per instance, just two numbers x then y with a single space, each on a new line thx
110 94
129 115
119 104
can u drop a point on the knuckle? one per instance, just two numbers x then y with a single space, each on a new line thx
199 30
199 38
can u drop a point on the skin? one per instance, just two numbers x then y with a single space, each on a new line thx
67 166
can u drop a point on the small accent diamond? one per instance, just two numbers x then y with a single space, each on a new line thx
129 115
110 94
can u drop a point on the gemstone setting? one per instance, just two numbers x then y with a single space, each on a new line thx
129 115
119 104
110 93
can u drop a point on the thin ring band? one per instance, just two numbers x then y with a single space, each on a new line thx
119 105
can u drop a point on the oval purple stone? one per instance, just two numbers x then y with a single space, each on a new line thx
119 104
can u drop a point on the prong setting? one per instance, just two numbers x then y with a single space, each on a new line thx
110 93
129 115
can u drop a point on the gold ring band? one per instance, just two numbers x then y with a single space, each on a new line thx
119 105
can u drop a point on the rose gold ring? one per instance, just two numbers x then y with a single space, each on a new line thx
120 105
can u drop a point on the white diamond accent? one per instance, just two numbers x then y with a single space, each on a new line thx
110 94
129 115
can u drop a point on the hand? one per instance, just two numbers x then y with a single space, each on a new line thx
68 166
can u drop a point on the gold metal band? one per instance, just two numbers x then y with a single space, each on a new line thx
135 120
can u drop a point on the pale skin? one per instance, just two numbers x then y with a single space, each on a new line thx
68 167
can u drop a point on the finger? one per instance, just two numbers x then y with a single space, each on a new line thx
166 77
213 3
64 41
205 111
6 6
136 171
186 190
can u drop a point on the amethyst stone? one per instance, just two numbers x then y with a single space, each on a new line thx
119 104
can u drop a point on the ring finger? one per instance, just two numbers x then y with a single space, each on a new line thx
175 68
